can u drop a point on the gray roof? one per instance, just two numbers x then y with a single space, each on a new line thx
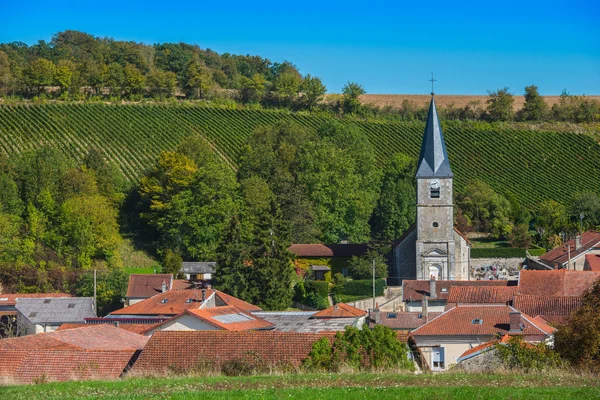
55 311
433 160
299 321
193 267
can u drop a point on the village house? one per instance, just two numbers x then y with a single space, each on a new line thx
592 262
323 258
570 256
197 271
37 315
463 295
444 339
8 310
92 352
557 282
437 291
144 286
555 310
401 320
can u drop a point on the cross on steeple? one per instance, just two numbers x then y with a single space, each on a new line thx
432 80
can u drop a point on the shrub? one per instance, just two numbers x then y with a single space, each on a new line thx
363 287
528 357
312 293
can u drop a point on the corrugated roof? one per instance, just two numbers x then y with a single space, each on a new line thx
197 267
56 310
482 294
294 321
556 282
433 159
589 240
494 319
414 290
328 250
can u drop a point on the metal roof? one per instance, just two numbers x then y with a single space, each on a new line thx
433 160
56 310
192 267
301 322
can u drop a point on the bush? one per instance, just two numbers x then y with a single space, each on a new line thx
314 294
363 287
528 357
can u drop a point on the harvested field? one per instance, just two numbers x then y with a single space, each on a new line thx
459 101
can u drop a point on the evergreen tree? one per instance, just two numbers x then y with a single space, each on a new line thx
535 108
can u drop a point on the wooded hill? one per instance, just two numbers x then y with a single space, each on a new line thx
531 165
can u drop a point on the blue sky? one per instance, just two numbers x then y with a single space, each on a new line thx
388 47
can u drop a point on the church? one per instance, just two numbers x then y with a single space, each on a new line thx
432 248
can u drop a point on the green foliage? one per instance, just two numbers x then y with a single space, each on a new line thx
365 349
551 218
520 236
252 89
362 267
527 357
578 341
111 287
585 204
311 293
364 287
535 108
172 263
500 105
313 91
351 103
507 252
484 209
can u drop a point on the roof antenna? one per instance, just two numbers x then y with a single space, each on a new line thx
432 80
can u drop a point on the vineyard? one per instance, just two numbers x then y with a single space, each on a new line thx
533 165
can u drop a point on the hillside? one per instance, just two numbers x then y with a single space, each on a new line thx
534 165
444 100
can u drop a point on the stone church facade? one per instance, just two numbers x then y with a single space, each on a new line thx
432 248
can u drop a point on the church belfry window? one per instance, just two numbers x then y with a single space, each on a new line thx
434 189
435 193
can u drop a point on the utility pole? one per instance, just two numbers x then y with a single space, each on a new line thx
569 251
373 284
95 302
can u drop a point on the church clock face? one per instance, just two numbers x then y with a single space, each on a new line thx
434 184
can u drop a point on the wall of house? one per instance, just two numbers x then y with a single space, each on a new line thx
184 323
404 265
433 306
131 302
40 328
579 262
462 258
211 302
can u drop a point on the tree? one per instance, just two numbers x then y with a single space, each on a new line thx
362 267
64 75
287 84
578 341
134 83
38 74
551 218
162 83
6 77
535 108
313 91
395 211
114 79
500 105
485 209
252 90
584 210
520 237
109 179
172 263
111 288
198 79
352 92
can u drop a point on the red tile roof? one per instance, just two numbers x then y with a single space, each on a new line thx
173 302
328 250
556 283
340 310
229 300
593 262
10 299
482 294
251 322
483 347
135 328
414 290
589 240
184 349
495 319
179 284
549 307
405 320
147 285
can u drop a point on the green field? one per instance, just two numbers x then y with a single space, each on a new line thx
325 386
533 165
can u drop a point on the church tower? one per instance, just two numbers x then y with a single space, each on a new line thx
435 245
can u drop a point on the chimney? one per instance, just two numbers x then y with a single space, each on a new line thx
432 288
577 242
203 295
116 324
163 287
376 315
424 307
516 321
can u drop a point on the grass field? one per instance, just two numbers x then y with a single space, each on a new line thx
315 386
534 165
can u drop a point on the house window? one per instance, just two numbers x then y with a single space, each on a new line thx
437 358
435 193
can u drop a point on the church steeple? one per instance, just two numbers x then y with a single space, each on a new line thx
433 160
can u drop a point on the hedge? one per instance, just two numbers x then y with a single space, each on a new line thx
505 252
363 287
320 288
314 294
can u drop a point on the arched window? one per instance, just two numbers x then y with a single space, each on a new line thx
435 271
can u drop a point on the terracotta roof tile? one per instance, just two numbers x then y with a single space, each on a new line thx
179 284
589 240
340 310
405 320
184 349
229 300
556 283
220 317
483 347
10 299
593 262
173 302
548 306
135 328
147 285
494 319
415 289
482 294
328 250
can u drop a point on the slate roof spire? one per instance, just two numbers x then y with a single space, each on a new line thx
433 160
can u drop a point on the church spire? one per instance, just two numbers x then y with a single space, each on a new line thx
433 160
